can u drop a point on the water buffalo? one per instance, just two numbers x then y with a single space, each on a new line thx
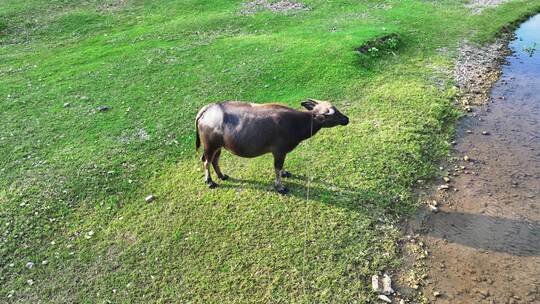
250 130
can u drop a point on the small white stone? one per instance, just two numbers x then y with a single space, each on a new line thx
444 187
44 262
30 282
375 283
30 265
150 198
387 285
384 298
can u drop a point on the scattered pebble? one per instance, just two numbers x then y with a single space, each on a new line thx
433 209
485 133
466 158
436 294
103 108
30 282
446 179
384 298
67 104
469 132
44 262
150 198
30 265
476 67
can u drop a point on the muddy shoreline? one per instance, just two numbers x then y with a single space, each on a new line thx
478 238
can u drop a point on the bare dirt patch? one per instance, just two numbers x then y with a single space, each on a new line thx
283 6
477 6
112 5
379 43
131 136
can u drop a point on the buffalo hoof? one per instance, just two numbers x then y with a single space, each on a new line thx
282 190
211 185
224 177
285 173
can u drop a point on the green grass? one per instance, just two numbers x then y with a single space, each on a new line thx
73 180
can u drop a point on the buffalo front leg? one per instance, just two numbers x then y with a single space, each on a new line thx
215 164
279 159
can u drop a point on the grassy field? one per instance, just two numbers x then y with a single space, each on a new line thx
73 179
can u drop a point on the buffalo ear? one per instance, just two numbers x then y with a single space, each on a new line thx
309 104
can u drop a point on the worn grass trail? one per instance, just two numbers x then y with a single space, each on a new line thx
73 179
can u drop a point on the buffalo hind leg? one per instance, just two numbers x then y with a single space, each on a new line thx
207 159
217 169
279 159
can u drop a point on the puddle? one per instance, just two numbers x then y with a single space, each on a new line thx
485 241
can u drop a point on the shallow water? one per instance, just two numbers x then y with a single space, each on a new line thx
485 242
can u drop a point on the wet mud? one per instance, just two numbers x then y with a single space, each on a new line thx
484 236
